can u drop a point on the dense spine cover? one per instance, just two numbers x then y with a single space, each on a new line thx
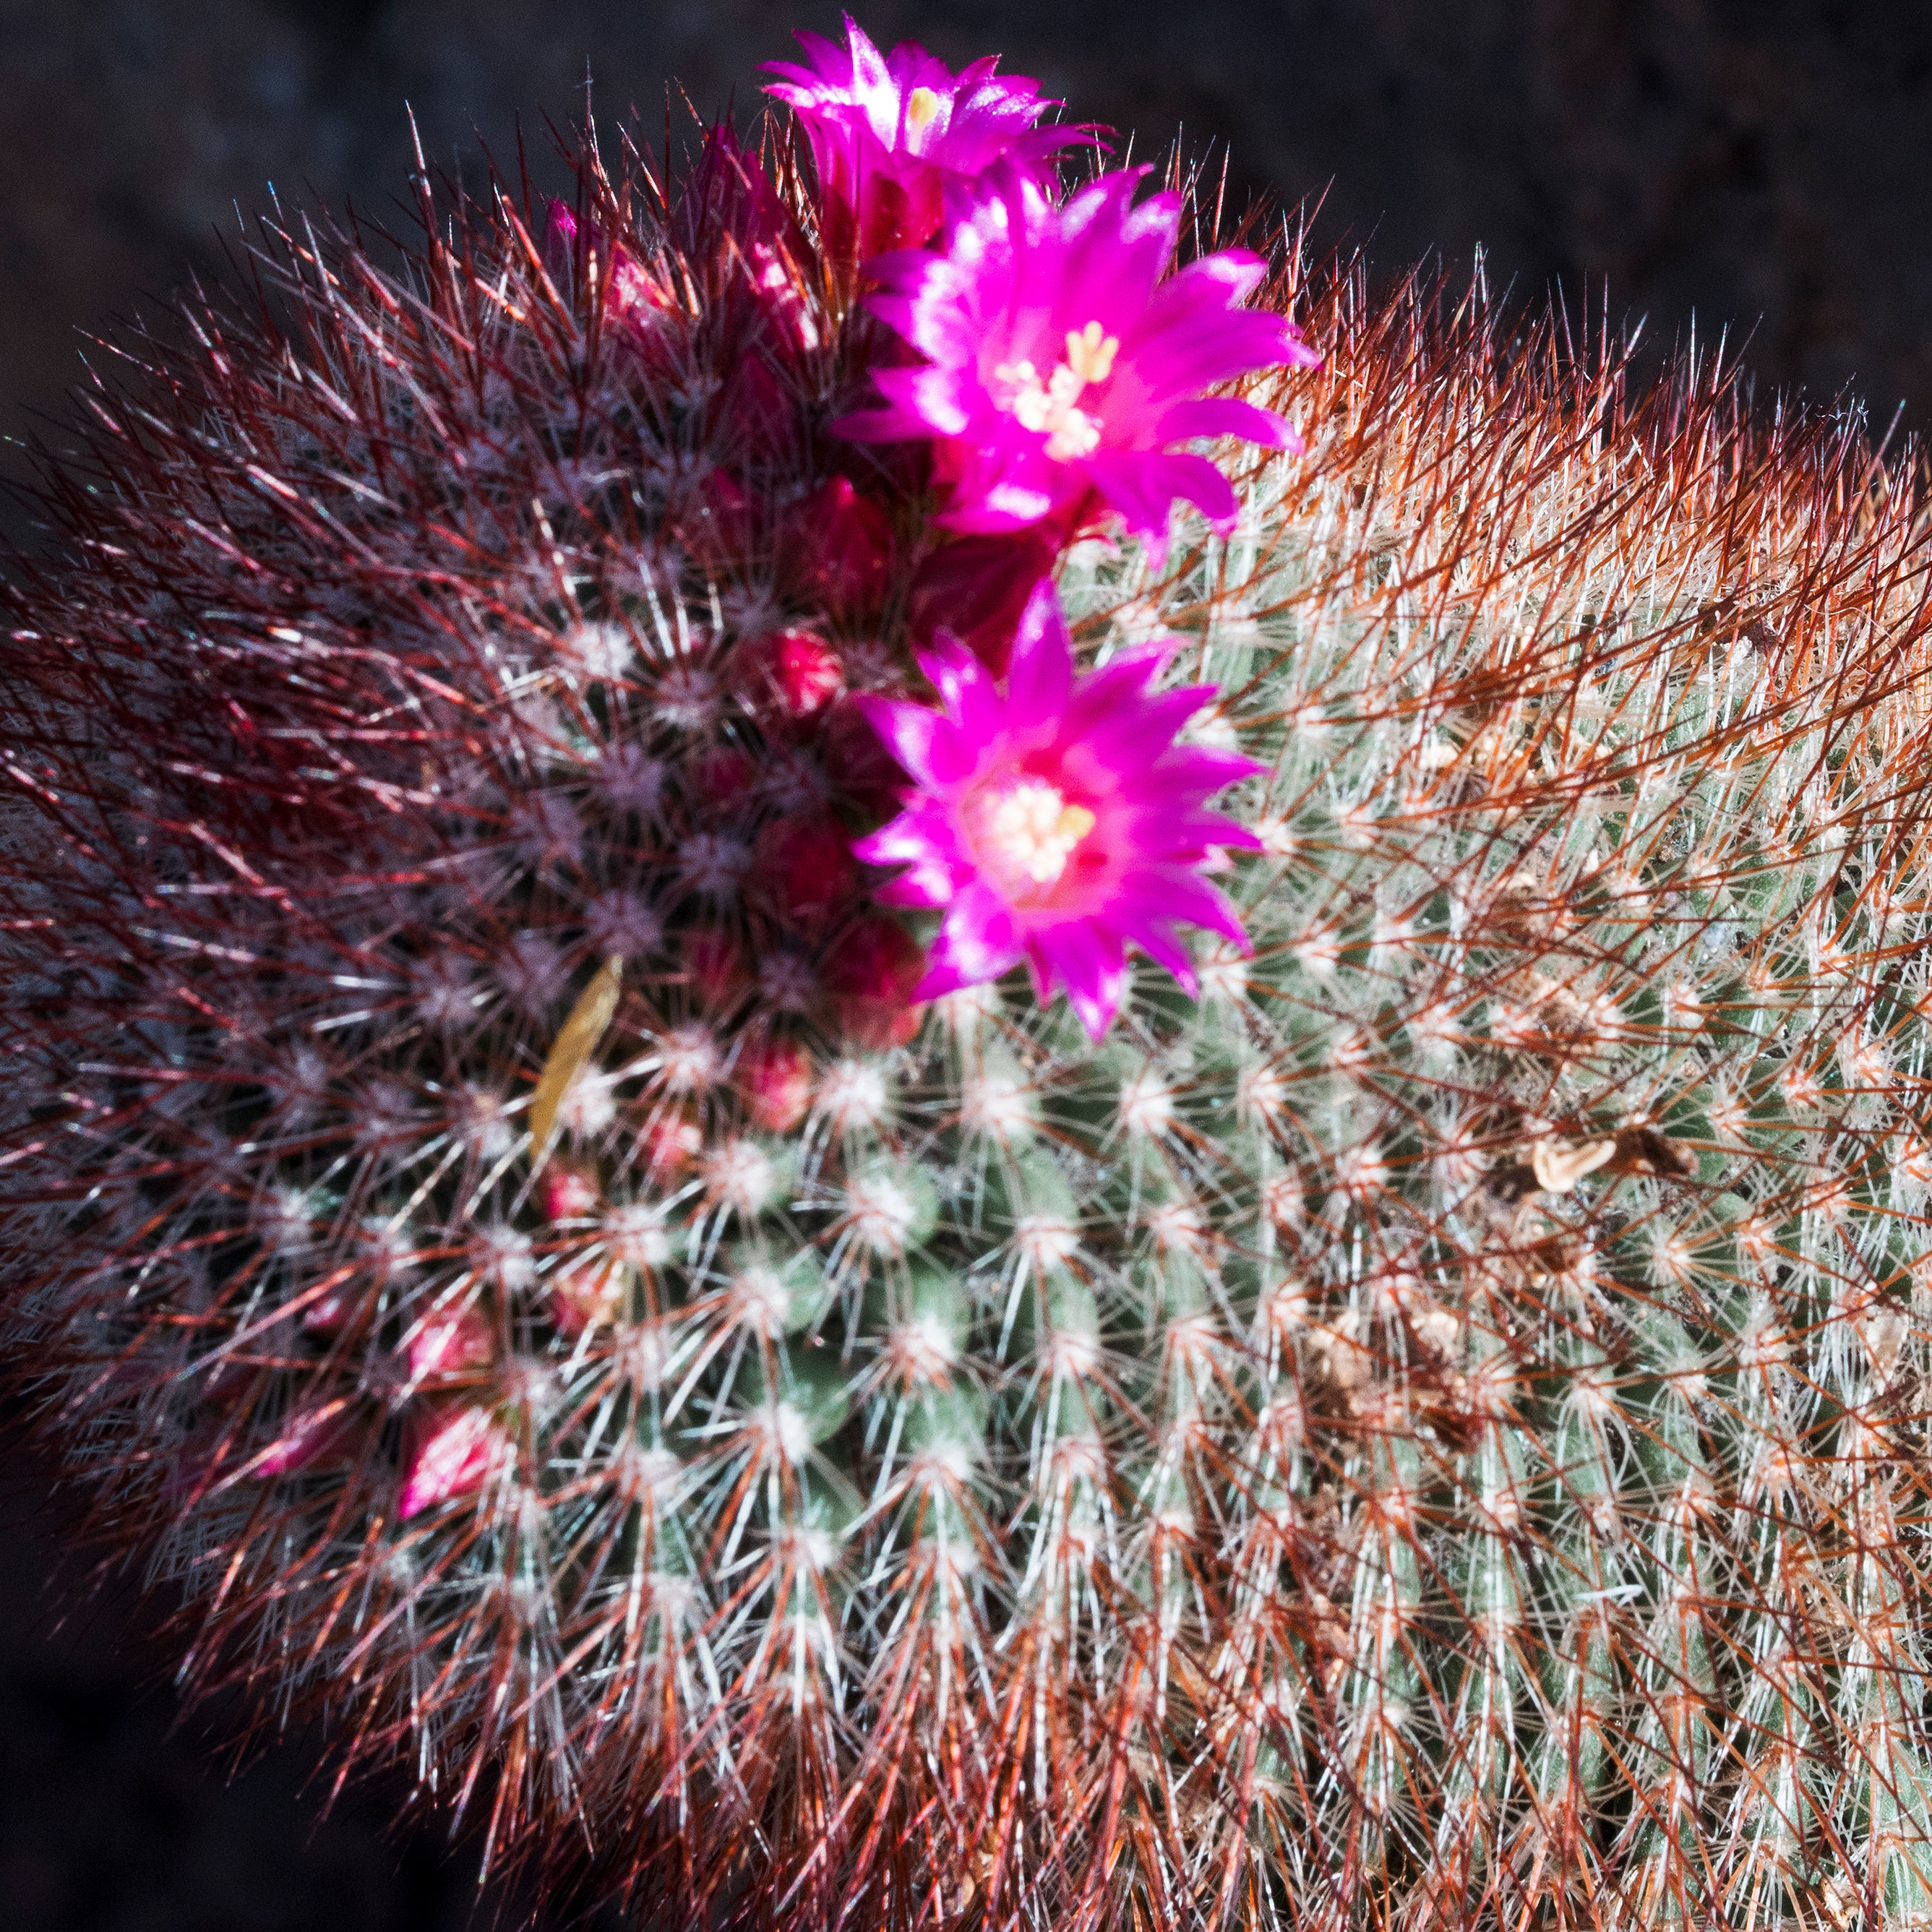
1421 1421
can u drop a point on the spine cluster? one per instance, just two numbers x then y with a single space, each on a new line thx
551 1190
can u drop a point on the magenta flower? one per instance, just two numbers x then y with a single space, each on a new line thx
1060 364
890 132
1056 821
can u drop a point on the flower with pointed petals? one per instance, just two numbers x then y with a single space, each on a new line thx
1061 368
1056 820
890 132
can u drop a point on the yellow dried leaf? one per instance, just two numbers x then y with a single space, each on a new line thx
576 1042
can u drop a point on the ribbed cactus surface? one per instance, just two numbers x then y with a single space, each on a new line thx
1425 1429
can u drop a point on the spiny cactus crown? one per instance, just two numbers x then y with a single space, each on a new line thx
1417 1421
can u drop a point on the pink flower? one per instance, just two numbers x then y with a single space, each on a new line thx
890 132
1056 820
1060 364
451 1451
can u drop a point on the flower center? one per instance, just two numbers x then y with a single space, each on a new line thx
1048 408
922 109
1027 831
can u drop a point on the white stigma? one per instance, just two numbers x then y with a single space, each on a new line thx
1048 408
1028 831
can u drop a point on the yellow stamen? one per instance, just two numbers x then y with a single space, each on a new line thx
922 109
1048 408
1091 352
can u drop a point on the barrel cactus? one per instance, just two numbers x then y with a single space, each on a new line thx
813 1073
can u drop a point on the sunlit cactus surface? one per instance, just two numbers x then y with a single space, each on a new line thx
879 1163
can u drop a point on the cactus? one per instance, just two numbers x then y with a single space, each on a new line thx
1418 1422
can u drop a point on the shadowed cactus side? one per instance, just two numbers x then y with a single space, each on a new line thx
1429 1432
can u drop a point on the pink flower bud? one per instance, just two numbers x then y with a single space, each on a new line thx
804 673
804 866
836 551
977 588
729 199
630 294
450 1450
715 526
870 976
449 1342
775 1078
569 1194
309 1434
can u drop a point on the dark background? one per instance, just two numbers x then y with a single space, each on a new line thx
1764 165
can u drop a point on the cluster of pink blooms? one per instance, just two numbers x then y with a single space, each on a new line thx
1063 369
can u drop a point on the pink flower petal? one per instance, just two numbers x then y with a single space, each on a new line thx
1089 961
1224 415
1142 484
979 942
918 736
1040 673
